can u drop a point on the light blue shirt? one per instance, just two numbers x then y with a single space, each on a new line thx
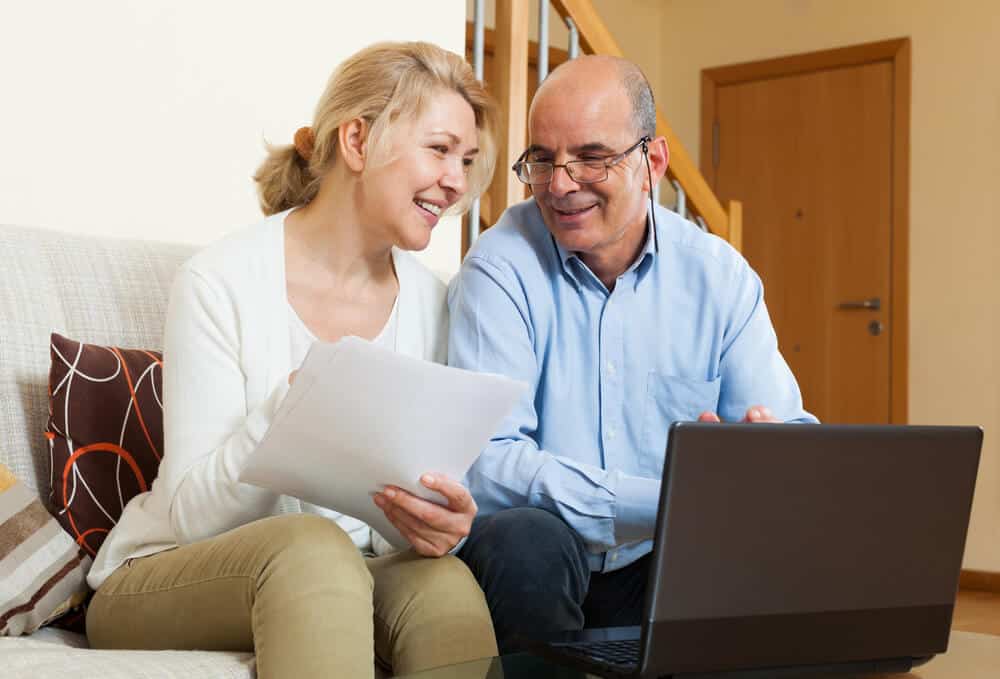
684 331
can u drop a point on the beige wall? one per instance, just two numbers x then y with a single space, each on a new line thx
955 181
147 119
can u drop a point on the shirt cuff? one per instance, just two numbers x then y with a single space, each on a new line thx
461 543
637 499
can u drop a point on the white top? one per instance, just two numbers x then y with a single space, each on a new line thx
227 357
301 338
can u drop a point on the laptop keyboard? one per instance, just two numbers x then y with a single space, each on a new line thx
623 654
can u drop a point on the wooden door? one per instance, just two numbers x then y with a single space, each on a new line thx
811 156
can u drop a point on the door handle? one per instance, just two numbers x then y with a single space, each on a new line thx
873 304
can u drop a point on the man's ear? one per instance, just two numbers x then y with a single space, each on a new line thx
352 138
659 158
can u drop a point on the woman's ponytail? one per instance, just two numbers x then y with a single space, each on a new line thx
284 180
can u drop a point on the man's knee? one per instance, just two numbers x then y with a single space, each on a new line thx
528 540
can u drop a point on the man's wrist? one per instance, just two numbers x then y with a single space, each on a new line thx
637 499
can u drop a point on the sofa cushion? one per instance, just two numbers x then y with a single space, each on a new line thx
105 433
99 290
53 654
42 571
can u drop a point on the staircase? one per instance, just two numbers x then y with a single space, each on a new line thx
515 63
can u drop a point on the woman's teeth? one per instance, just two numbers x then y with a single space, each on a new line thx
430 207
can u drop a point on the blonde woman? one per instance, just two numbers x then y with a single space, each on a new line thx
402 134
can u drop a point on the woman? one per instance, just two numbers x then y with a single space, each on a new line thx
402 134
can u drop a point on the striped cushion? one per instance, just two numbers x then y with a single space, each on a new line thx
42 571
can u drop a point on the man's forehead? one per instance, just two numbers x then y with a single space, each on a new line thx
573 119
574 149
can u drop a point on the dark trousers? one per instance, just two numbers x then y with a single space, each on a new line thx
534 571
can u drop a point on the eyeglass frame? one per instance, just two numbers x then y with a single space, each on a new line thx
608 163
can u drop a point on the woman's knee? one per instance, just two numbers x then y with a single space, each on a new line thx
307 546
430 612
442 580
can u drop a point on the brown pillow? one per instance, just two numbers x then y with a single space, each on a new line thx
105 433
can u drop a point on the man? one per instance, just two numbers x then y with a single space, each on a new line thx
620 328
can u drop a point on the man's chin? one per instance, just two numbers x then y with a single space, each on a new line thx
572 239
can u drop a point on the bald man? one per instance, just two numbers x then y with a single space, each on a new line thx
623 317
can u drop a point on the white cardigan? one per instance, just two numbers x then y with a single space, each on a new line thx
225 371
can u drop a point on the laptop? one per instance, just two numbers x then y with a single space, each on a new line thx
796 550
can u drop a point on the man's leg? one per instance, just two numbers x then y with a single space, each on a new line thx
615 599
533 569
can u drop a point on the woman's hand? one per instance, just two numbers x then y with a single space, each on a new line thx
432 529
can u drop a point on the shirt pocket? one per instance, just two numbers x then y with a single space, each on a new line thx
673 399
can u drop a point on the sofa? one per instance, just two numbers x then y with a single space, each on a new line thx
103 291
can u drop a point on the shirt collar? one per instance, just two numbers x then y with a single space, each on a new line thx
649 250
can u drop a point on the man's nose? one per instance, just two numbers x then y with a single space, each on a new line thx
561 183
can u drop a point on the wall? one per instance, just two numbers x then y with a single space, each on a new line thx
955 172
147 119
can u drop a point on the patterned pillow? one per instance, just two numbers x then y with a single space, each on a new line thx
42 572
105 433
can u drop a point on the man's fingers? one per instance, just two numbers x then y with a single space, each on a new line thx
708 417
759 413
458 496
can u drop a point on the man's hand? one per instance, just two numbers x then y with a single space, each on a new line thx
754 414
432 529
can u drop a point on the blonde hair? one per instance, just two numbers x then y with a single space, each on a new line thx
382 84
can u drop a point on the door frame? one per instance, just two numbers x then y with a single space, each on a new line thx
897 53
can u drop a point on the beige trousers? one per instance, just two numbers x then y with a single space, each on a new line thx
295 590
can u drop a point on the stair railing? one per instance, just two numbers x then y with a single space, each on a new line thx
587 33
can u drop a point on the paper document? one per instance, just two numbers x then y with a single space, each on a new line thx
358 417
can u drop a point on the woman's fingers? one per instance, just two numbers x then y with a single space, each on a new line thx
426 539
435 516
437 526
458 496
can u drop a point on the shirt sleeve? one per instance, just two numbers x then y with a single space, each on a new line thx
208 431
751 368
491 331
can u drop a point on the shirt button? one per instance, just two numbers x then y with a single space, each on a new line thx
611 432
611 368
614 557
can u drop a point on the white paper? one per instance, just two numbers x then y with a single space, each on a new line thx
359 417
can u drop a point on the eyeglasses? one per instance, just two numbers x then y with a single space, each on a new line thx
580 171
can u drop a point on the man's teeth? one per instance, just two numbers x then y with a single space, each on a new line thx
430 207
573 212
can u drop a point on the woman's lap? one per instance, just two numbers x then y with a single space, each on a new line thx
304 576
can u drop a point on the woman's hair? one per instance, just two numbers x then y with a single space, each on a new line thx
382 84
